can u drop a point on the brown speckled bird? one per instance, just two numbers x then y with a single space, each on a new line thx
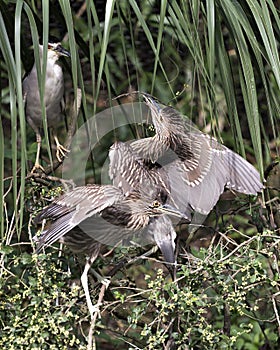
109 213
198 167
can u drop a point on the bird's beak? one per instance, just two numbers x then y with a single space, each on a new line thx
62 52
169 210
151 102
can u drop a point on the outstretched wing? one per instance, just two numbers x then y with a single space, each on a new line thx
74 207
198 182
201 167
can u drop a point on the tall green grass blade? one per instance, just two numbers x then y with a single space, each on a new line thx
211 66
66 9
7 51
41 65
42 69
210 7
238 25
110 4
23 157
11 70
149 36
91 46
228 89
188 35
2 158
263 21
159 40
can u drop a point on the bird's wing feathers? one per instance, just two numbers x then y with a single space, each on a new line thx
199 182
73 207
129 173
124 165
55 231
201 167
86 244
197 160
201 197
144 148
242 176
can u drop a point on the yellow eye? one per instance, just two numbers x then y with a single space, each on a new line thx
156 204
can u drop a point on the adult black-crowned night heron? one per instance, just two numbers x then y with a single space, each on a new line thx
135 201
53 97
200 167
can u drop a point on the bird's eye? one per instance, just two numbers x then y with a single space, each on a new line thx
156 204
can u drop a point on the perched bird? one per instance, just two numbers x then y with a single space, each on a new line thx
53 97
110 213
198 167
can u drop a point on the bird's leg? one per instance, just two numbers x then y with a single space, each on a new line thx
37 164
84 279
60 150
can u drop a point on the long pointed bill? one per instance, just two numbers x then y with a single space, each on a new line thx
62 51
151 103
169 210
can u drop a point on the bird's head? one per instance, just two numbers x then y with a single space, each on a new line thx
152 202
159 119
142 209
165 118
58 50
55 51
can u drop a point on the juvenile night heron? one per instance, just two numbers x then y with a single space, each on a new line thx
200 167
136 201
53 97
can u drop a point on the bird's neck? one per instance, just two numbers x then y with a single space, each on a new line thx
52 59
138 221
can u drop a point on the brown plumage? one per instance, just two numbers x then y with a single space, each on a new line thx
198 167
109 213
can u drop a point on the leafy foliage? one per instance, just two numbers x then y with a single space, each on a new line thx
38 309
223 298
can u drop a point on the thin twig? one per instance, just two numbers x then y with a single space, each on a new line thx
276 311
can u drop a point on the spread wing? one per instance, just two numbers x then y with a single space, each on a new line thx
74 207
200 167
199 181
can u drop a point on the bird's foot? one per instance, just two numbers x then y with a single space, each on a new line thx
105 281
37 167
94 309
101 279
61 152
